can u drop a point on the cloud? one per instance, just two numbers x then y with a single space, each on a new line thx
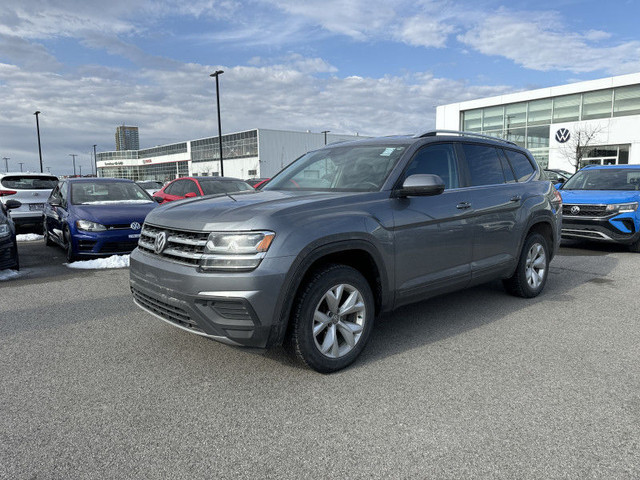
543 44
29 55
170 105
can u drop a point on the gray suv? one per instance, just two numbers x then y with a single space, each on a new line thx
345 233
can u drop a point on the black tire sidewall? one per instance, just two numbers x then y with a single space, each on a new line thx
69 246
531 239
307 304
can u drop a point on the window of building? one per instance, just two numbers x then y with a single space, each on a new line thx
484 164
515 115
252 172
540 111
493 119
605 155
626 101
472 120
538 137
596 104
566 108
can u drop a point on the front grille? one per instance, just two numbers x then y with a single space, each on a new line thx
113 247
165 310
119 226
86 245
182 246
585 210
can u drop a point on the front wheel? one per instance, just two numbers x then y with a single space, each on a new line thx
332 318
532 271
71 256
47 238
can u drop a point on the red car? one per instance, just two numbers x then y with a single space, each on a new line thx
189 187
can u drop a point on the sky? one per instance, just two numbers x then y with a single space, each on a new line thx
372 67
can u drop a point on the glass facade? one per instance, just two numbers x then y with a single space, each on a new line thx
237 145
605 155
528 123
163 150
160 172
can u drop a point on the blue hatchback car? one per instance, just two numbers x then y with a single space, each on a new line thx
95 216
601 203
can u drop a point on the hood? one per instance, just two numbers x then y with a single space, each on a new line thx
599 196
249 210
114 214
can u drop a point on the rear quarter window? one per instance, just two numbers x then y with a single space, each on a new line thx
521 165
484 164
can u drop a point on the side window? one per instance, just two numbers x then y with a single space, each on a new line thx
438 160
190 186
506 168
484 164
521 165
64 193
54 193
173 188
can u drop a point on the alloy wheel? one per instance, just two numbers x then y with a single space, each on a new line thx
536 265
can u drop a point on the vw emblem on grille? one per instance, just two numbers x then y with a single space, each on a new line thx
134 226
575 210
160 242
563 135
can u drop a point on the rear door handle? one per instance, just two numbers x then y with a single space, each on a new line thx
463 205
516 198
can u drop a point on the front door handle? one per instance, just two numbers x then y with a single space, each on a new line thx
463 205
516 198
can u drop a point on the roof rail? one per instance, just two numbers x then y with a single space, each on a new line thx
433 133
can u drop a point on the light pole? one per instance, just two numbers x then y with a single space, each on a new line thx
80 166
38 130
21 163
216 74
95 160
6 163
74 162
325 135
49 169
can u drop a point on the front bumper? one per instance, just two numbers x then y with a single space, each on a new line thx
110 242
236 308
623 228
8 252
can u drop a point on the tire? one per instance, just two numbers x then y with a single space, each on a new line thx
16 267
635 246
338 339
68 245
532 271
45 233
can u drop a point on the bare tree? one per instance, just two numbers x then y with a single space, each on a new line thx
581 137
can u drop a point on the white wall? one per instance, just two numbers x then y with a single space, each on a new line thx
235 167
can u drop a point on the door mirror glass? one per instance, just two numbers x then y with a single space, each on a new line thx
158 199
190 195
421 185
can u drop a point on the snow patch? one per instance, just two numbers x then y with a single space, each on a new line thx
8 274
28 237
114 261
113 202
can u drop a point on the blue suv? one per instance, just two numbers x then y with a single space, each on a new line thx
601 203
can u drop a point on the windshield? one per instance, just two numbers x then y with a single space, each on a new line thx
604 179
30 182
346 168
88 193
211 187
150 185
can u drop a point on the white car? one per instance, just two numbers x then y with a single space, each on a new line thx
31 190
151 186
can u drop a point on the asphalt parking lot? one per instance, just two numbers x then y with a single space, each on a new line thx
475 384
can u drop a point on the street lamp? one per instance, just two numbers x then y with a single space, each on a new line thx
325 135
38 130
95 160
216 74
21 163
74 162
6 163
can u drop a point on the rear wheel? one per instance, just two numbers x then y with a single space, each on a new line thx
532 271
332 318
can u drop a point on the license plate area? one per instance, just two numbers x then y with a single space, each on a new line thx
36 206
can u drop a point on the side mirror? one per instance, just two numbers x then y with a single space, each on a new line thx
421 185
158 199
11 204
558 185
55 202
190 195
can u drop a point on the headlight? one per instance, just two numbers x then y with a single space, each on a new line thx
88 226
235 251
622 207
4 230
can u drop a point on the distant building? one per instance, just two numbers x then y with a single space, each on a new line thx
248 154
548 121
127 138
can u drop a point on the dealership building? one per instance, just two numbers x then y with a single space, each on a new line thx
592 122
248 154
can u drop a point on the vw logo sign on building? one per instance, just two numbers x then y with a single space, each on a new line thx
563 135
160 242
134 226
